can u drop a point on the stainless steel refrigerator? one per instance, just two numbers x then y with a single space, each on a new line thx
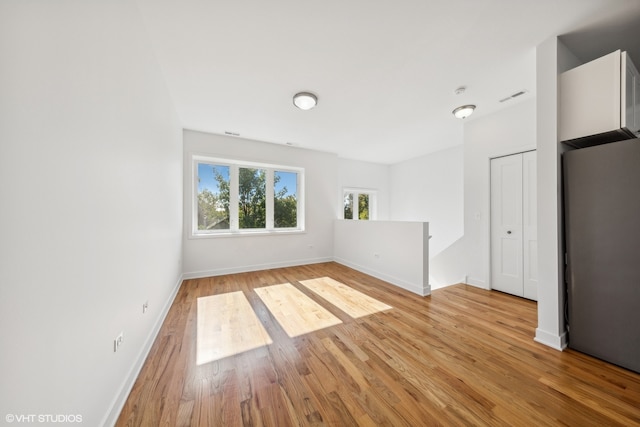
602 237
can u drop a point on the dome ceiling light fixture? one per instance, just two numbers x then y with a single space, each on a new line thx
464 111
305 100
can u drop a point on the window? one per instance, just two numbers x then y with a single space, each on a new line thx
359 204
233 197
285 199
213 197
252 200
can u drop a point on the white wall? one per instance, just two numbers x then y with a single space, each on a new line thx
394 251
373 176
221 255
552 57
507 131
430 189
91 193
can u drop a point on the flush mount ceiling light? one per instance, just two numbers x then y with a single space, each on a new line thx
464 111
305 100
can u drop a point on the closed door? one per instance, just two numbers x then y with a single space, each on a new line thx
514 264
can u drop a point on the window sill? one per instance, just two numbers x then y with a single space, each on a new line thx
245 233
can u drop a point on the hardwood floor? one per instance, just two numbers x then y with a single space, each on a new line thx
296 313
461 357
227 326
354 303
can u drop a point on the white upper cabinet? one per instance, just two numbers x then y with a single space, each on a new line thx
600 101
631 90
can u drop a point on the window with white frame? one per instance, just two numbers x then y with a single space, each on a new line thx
359 204
235 197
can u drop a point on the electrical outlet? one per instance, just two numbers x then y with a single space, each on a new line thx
145 307
118 342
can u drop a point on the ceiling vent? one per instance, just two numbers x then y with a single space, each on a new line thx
515 95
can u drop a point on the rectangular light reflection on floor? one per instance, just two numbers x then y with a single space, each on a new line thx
354 303
297 313
227 325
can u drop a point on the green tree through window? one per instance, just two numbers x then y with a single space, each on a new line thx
363 206
235 197
359 204
213 197
285 202
348 206
251 198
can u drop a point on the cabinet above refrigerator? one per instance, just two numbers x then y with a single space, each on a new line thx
599 102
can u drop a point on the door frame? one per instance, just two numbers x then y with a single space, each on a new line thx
495 155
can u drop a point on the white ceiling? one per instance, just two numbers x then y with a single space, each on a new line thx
384 72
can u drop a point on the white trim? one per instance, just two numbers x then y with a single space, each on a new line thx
557 342
203 158
301 201
478 283
512 150
234 171
255 267
234 188
119 401
416 288
269 194
248 233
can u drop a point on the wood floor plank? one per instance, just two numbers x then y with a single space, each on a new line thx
354 303
462 356
296 313
227 326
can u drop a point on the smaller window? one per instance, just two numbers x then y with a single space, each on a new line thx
363 206
359 204
348 205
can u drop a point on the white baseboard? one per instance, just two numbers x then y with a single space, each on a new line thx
422 290
558 342
255 267
121 398
437 286
478 283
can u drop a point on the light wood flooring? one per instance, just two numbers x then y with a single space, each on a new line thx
296 313
352 302
460 357
227 326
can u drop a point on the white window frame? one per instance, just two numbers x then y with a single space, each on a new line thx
234 226
373 202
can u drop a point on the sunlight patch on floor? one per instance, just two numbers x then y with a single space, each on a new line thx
297 313
354 303
227 325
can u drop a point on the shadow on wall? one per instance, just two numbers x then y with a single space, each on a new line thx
448 266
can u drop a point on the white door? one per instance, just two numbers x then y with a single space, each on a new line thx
530 226
513 225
